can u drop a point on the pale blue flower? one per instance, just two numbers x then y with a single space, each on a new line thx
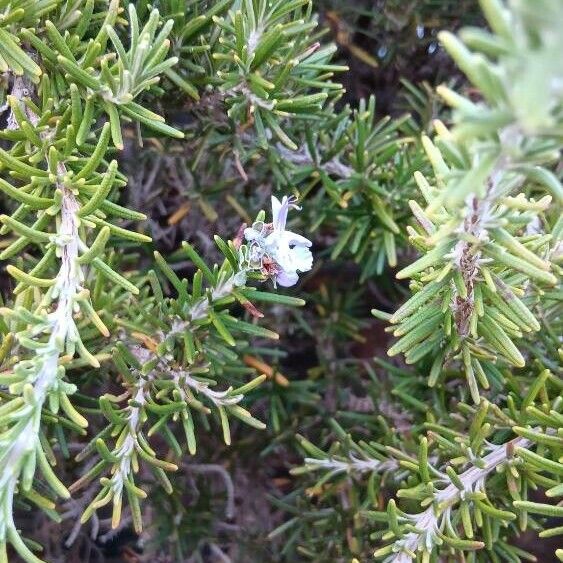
282 254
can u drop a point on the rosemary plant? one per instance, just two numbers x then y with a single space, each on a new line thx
153 157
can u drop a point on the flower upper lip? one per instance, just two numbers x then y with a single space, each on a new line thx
280 210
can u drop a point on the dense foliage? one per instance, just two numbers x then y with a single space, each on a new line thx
169 169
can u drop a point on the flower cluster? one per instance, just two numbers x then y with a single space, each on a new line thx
277 253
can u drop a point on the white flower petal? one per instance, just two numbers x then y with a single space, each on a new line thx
302 258
287 279
279 213
293 238
297 259
288 250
